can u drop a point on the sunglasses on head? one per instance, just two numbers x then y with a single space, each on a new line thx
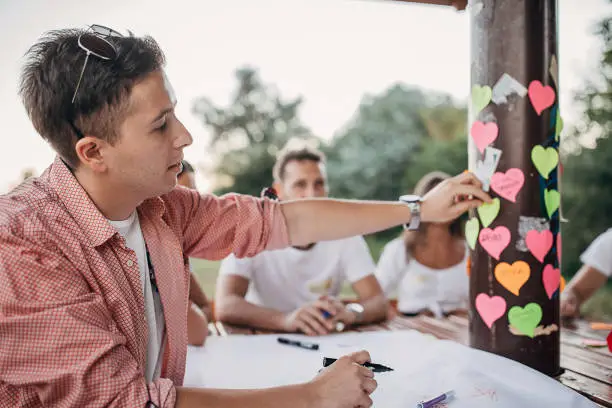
95 41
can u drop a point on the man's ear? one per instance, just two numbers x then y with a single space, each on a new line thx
89 150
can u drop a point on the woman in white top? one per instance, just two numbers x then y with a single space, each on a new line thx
594 273
427 267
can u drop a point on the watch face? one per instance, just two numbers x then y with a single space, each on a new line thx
410 198
355 307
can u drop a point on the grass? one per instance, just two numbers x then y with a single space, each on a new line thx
599 307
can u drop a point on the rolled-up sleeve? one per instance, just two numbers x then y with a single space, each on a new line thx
244 225
58 342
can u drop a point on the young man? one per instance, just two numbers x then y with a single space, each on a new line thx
290 289
199 313
595 271
94 271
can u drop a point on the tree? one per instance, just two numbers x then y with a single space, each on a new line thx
587 175
453 152
247 134
368 159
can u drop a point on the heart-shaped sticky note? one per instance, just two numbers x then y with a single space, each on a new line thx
539 243
541 96
525 319
488 212
481 96
490 308
494 241
609 341
558 125
561 284
508 184
551 278
471 232
552 199
545 160
512 277
484 134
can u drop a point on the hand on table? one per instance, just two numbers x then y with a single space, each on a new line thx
345 383
309 319
570 303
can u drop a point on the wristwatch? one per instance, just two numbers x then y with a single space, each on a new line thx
356 308
414 203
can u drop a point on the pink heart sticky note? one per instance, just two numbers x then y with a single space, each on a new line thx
494 241
551 278
490 308
539 243
508 184
484 134
541 96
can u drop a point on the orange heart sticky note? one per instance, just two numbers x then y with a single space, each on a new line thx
512 277
561 284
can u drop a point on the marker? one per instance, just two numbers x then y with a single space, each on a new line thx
432 402
377 368
302 344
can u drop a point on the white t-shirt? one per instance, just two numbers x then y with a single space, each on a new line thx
599 254
420 287
286 279
131 232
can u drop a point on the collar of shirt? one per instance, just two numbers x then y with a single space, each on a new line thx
85 213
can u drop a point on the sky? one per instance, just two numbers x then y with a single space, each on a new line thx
331 52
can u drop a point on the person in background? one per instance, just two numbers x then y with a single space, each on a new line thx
199 313
428 266
288 289
594 273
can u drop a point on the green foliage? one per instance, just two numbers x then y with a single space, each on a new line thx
455 160
369 157
248 133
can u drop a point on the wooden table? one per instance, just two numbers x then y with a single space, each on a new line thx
587 370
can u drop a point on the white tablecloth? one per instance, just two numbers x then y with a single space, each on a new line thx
424 367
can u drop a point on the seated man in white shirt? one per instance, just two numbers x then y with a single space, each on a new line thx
295 289
595 271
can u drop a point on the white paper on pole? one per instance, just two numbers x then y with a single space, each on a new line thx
424 367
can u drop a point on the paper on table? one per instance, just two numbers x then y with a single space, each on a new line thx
423 368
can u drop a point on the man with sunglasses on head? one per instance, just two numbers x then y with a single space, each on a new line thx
94 272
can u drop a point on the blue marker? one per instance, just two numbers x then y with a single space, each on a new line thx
432 402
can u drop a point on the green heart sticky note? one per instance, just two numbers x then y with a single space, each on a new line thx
558 125
525 319
481 96
552 199
545 160
471 232
488 212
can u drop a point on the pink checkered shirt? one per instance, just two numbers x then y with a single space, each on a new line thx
72 318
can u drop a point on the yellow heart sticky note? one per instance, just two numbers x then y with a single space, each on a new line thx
512 277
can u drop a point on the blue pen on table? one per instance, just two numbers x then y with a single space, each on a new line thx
327 289
432 402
